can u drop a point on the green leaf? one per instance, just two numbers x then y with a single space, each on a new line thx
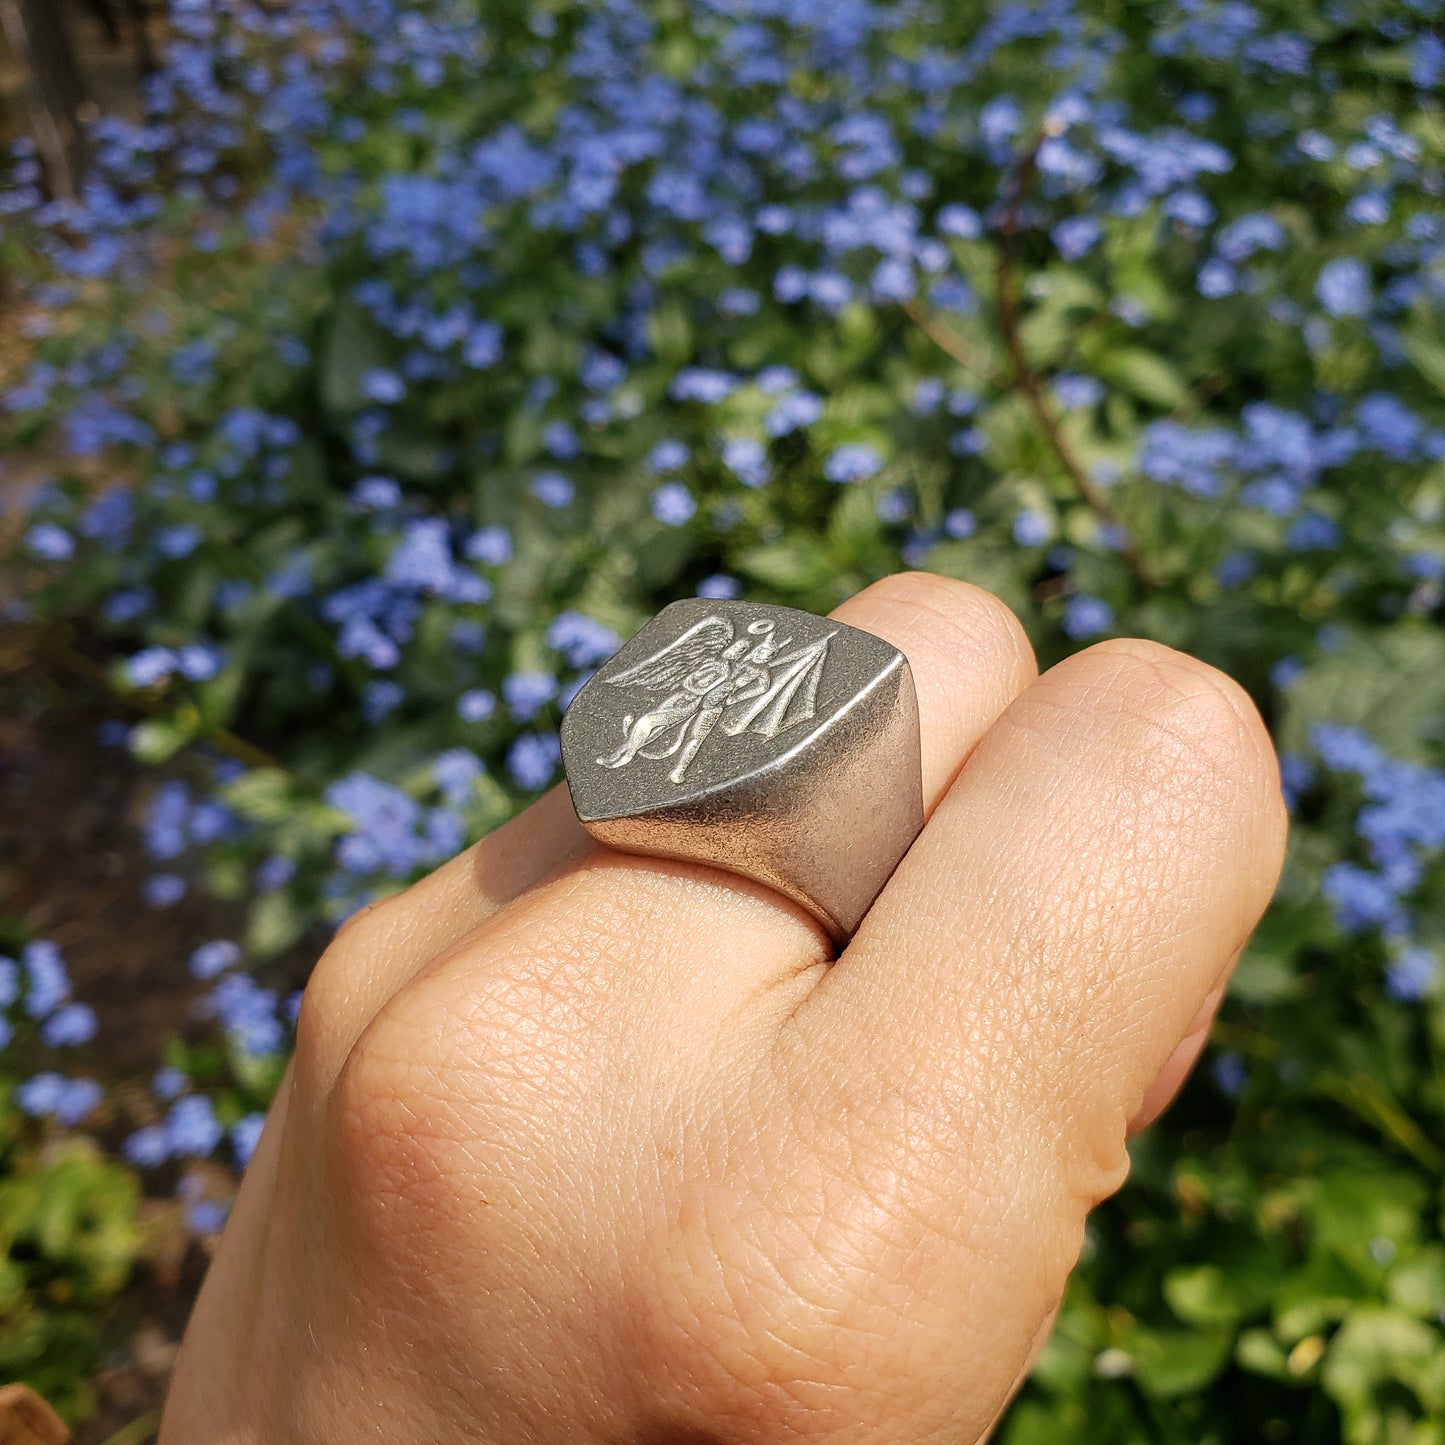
264 795
796 566
1375 1346
1144 374
1261 1354
1176 1362
274 924
158 740
1417 1284
352 348
1427 356
1202 1295
1388 681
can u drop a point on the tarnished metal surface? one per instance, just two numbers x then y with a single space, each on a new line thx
764 740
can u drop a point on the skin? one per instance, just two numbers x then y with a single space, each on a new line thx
584 1148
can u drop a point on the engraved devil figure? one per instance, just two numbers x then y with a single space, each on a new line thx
713 677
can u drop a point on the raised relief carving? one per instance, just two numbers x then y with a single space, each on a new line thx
710 678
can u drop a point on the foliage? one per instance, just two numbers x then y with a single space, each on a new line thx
401 363
69 1231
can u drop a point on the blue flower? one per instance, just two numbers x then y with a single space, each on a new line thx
1087 617
1411 974
456 772
561 441
532 760
214 958
960 523
1313 532
71 1024
48 982
247 1012
476 705
381 385
274 872
1295 777
673 505
1032 529
1389 426
582 640
40 1095
1076 236
163 890
793 412
1230 1074
50 543
695 383
1239 240
423 558
1343 287
1077 391
747 459
720 586
379 699
552 489
245 1135
927 396
998 121
207 1216
1216 278
169 1083
390 833
1286 672
852 462
51 1095
526 693
376 494
961 221
1189 207
147 1148
1361 898
1191 459
490 545
669 455
191 1127
893 280
483 345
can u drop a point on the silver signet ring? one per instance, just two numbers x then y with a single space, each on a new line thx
763 740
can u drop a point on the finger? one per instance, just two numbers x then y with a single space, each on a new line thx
686 939
382 946
969 656
1170 1079
1030 969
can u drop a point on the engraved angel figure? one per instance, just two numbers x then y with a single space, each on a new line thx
749 684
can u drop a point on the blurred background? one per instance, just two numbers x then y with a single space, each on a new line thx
370 368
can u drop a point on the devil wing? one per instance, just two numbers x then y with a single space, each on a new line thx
666 669
790 699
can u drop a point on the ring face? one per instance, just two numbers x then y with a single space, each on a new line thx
764 740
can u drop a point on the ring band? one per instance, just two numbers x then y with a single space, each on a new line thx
763 740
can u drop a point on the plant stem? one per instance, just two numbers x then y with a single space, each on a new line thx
140 1431
1028 380
62 652
943 336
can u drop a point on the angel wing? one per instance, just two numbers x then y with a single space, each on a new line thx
790 698
666 669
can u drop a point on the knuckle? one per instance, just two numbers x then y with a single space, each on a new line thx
322 1024
957 617
1187 706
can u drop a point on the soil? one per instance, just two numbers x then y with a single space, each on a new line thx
72 862
71 865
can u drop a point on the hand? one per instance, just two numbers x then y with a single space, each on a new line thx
580 1147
